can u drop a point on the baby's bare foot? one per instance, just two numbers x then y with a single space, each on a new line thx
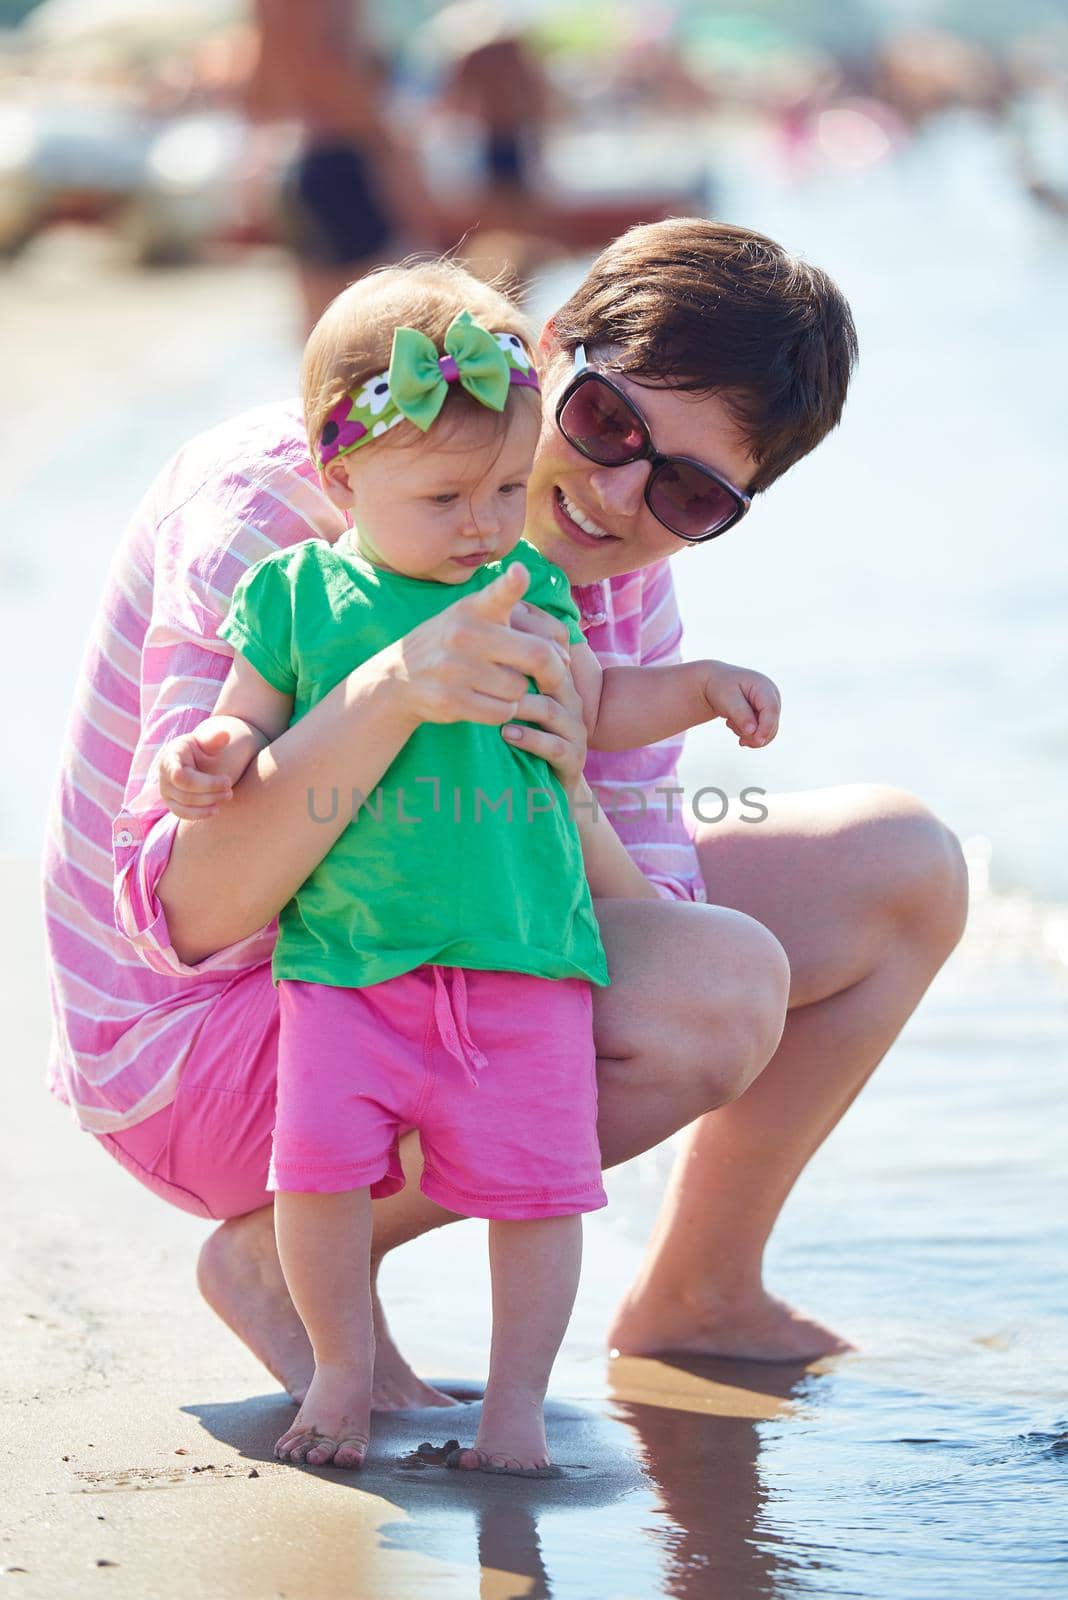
511 1438
396 1387
333 1425
480 1461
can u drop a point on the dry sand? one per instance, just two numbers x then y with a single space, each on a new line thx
140 1463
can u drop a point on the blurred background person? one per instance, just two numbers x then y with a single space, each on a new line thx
492 99
352 196
498 83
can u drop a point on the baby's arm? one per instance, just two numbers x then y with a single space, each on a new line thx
627 707
199 772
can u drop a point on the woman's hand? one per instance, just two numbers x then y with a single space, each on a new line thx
560 735
472 661
538 648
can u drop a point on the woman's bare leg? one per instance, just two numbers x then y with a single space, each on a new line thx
652 1082
534 1268
867 893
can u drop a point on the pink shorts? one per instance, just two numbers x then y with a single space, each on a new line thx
497 1071
208 1150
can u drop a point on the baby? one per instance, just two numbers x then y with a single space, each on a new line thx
435 970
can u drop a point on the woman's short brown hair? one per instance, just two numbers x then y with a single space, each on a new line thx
712 308
353 338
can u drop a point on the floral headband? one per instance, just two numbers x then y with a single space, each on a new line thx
417 382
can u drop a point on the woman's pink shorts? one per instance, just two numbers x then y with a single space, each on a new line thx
496 1070
209 1150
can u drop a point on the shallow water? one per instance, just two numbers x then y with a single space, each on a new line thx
907 587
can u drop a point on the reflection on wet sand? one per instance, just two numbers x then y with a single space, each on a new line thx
510 1556
696 1421
664 1479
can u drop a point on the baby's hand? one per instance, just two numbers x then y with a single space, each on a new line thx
192 778
748 702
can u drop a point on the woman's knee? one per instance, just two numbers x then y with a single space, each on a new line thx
734 1027
923 881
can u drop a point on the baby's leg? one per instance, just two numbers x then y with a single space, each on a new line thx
324 1245
535 1270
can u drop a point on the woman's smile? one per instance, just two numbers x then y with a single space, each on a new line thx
578 524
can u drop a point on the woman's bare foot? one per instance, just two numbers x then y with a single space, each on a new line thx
396 1387
240 1277
511 1438
753 1327
334 1422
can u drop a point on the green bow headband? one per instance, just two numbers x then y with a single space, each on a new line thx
414 388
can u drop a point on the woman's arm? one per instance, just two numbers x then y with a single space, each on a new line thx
231 872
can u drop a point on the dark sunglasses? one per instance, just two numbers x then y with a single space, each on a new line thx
598 419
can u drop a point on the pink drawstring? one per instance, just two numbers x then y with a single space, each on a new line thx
450 1014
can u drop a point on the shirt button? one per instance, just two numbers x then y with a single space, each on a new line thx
124 837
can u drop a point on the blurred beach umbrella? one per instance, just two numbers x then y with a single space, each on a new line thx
467 25
588 29
133 24
559 24
737 38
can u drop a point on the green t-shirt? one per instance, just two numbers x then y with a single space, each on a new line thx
465 854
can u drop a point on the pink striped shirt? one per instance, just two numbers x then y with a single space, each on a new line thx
127 1012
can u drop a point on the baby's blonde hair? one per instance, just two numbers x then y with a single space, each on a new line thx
353 338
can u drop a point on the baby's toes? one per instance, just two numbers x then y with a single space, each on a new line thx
317 1452
321 1451
294 1445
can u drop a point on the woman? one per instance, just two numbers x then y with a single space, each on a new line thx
737 358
